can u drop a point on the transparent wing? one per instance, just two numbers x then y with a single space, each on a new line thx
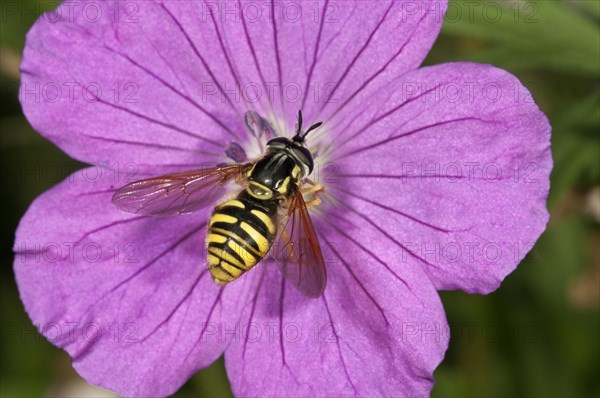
298 253
177 193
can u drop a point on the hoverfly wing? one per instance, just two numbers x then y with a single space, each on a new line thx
177 193
298 253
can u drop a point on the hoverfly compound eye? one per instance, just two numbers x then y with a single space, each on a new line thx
279 142
305 157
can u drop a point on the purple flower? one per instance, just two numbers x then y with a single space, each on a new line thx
435 178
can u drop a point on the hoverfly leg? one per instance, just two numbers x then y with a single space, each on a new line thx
315 189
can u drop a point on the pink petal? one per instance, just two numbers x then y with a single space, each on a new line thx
453 161
127 87
155 83
323 56
379 330
128 297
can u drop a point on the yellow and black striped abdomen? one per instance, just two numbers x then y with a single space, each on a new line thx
240 233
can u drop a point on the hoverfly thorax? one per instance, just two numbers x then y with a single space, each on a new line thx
279 173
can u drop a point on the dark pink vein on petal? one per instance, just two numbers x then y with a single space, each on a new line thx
281 305
24 71
362 49
158 122
176 166
104 191
174 89
144 267
146 36
149 145
112 224
304 48
249 42
395 137
178 305
107 226
212 309
379 118
145 117
281 343
380 70
340 31
448 177
357 280
382 206
314 60
401 176
373 255
183 324
254 300
198 55
337 342
367 219
225 52
277 56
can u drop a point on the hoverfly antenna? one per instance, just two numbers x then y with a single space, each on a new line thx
299 137
299 125
311 128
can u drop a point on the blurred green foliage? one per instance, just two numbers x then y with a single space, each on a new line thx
538 335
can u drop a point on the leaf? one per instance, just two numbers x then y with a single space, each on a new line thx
541 34
576 144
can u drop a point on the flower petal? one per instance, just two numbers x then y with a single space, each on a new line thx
372 333
162 83
128 297
321 56
454 162
121 82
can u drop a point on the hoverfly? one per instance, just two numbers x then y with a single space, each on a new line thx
241 230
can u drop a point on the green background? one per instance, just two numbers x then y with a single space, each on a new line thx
538 335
